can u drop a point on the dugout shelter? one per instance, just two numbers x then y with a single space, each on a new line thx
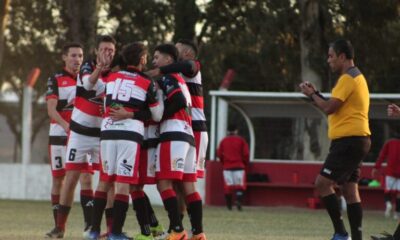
288 175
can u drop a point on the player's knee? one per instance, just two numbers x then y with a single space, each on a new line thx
189 188
57 182
321 184
86 181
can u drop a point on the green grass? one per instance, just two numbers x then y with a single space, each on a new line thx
32 219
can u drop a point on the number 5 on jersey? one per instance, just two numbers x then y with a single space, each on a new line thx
122 90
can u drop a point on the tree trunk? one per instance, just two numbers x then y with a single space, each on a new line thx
313 132
186 15
81 17
4 9
310 40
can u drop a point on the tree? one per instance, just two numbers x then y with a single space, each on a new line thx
186 17
141 20
4 8
80 18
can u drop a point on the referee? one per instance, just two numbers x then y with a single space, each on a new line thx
348 129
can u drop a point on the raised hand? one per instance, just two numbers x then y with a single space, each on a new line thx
393 110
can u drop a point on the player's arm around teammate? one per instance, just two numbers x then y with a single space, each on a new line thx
176 154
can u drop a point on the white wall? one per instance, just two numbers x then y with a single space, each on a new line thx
35 183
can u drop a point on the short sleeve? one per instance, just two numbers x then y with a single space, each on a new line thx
152 94
169 86
52 88
86 69
344 87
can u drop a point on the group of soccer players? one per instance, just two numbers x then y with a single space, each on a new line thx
110 116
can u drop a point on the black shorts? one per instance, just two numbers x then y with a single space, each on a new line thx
344 159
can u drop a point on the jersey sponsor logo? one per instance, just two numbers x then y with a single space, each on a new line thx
64 83
86 68
49 90
177 164
125 169
105 166
327 171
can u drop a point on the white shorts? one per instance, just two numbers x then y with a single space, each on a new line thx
79 147
392 184
147 166
201 140
234 180
57 159
176 160
120 160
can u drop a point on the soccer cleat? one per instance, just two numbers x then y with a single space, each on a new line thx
177 236
388 209
338 236
143 237
55 233
385 236
158 232
86 231
121 236
91 235
200 236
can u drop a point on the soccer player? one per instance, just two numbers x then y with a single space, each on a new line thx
189 66
233 152
84 137
121 138
147 175
176 153
347 111
390 152
60 102
393 111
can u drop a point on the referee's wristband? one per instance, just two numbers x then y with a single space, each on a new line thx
318 94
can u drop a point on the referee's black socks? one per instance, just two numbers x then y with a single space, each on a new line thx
355 214
332 206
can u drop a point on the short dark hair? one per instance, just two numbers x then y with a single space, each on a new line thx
105 38
169 49
343 46
132 53
232 127
189 43
67 46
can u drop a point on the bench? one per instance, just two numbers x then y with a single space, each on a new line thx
301 195
291 184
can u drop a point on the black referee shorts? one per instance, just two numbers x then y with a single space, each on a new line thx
344 160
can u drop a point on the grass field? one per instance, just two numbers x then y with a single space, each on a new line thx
31 220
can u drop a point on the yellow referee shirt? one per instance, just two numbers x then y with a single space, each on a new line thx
351 119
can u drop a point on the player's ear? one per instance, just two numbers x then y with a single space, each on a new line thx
64 57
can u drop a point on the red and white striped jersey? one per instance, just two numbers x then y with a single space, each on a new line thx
86 116
61 87
195 86
178 126
133 91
